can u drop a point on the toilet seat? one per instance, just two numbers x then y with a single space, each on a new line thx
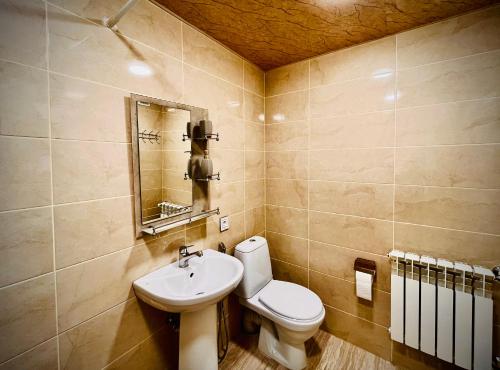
290 300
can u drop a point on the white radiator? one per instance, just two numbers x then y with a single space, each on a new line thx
442 308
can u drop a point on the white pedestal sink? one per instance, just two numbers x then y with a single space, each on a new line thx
193 291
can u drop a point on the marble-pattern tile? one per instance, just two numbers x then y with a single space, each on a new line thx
102 339
27 315
288 272
465 122
145 22
376 59
287 248
254 136
472 77
255 165
91 229
25 169
469 34
23 32
287 221
358 165
255 193
83 49
208 234
364 234
355 131
476 166
255 221
475 248
24 97
287 165
230 163
229 197
41 357
351 97
287 193
25 244
202 52
287 107
254 108
367 200
321 257
82 110
254 79
341 294
90 170
287 136
288 78
89 288
462 209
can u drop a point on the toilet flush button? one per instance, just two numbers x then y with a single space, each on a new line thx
224 223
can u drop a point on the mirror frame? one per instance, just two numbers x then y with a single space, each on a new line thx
200 191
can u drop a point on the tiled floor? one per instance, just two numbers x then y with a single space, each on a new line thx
324 351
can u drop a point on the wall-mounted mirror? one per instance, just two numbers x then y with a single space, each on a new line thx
165 195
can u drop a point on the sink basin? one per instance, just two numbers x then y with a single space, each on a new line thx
207 280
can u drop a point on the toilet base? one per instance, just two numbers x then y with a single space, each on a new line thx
292 356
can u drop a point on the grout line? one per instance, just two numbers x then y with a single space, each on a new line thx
358 317
27 280
353 282
394 150
30 349
308 172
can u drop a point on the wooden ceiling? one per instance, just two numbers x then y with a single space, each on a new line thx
272 33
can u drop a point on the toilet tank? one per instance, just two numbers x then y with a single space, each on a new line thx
254 254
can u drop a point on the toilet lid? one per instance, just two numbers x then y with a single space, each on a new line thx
291 300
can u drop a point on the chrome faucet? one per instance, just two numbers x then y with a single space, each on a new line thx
185 256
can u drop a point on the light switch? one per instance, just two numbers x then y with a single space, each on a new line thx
224 223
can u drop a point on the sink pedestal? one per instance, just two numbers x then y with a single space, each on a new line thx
198 339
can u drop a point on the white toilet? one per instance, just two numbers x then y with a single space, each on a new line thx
290 313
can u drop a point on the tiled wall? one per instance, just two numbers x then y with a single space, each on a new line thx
390 144
68 253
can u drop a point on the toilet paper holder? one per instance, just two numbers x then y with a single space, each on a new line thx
366 266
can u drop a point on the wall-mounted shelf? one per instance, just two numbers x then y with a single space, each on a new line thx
155 229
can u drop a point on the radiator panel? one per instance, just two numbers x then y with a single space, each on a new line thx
428 319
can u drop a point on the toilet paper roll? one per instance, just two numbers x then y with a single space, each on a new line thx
364 284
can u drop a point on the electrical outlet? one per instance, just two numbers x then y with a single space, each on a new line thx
224 223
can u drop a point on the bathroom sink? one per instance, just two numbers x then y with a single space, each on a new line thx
206 280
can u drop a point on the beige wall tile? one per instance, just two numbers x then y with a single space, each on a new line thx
90 170
362 333
145 22
287 107
150 159
476 166
372 60
341 294
230 163
286 165
351 97
83 49
230 132
41 357
202 52
255 221
254 193
475 248
472 33
174 160
25 244
410 358
463 209
107 281
254 79
339 262
83 110
25 169
104 338
287 193
288 221
229 197
358 165
368 235
287 136
358 131
288 248
291 273
472 77
254 108
255 165
218 96
466 122
27 315
254 136
151 179
24 97
23 32
368 200
91 229
291 77
208 235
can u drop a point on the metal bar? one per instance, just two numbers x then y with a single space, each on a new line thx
153 230
111 22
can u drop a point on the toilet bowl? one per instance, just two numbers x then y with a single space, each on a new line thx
290 313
